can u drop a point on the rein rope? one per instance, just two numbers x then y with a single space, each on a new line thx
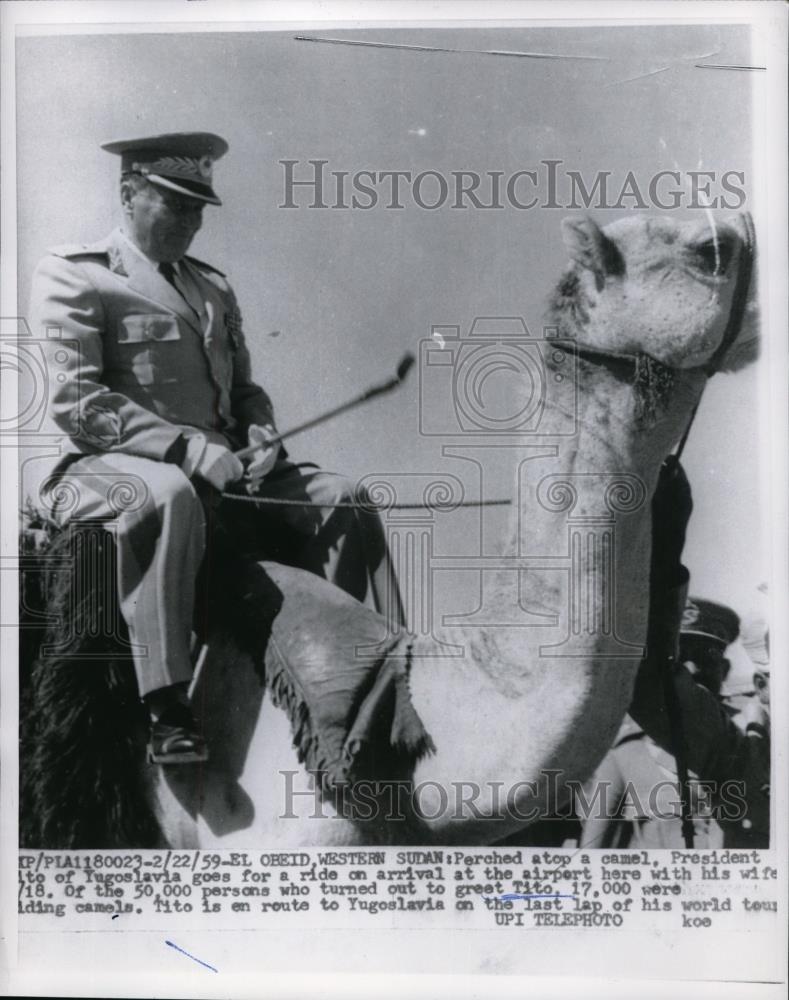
363 505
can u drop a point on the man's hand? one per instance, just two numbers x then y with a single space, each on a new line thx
264 459
213 462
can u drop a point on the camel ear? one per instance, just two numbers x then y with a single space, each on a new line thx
588 246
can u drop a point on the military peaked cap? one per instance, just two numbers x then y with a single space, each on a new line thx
181 161
710 620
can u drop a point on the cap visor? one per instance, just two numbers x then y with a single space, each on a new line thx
705 635
207 194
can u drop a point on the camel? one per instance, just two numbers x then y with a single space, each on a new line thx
508 726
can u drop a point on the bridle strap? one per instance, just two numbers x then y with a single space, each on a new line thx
609 358
738 303
733 326
740 297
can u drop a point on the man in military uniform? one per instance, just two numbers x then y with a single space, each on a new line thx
638 777
153 391
706 630
717 751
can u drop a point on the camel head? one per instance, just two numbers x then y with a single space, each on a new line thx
657 287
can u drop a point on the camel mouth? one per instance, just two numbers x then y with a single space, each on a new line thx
652 380
653 385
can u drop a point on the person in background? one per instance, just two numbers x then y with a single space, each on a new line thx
756 642
638 779
731 766
707 629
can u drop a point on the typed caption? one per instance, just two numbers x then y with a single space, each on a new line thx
511 889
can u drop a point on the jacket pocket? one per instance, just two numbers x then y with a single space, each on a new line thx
150 348
148 329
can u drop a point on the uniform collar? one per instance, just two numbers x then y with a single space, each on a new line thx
129 245
127 260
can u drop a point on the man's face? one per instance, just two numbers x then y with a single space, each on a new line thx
705 660
161 222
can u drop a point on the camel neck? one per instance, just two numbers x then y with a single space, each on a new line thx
594 493
622 426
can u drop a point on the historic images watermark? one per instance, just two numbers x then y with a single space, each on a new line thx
318 184
550 797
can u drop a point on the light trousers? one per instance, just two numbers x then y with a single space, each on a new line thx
163 528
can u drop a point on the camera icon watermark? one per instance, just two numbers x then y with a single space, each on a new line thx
496 380
31 364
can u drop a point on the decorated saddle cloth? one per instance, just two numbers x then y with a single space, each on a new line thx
342 679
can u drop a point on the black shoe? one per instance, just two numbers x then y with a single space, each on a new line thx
175 740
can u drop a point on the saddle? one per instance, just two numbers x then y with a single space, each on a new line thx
350 711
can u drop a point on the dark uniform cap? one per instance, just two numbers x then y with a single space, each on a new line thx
710 620
181 161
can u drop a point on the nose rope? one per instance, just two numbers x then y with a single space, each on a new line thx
686 433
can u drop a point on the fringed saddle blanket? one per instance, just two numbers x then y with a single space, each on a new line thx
343 683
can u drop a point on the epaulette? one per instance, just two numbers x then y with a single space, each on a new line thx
202 264
69 250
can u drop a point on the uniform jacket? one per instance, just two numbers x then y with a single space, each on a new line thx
638 783
132 366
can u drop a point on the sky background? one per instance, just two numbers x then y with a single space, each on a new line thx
332 299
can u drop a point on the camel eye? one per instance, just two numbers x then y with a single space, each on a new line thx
713 256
